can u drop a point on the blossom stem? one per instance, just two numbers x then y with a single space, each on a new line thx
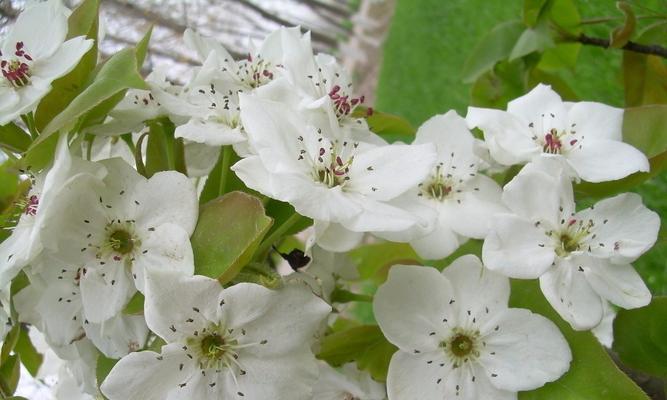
277 234
226 155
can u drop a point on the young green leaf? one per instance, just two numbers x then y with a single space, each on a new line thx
639 337
227 234
494 47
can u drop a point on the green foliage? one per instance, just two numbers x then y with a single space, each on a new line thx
13 138
364 344
103 366
30 357
494 47
136 305
592 374
10 372
640 337
228 232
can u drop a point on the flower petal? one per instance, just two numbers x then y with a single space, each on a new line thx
105 291
440 242
209 132
569 293
525 352
63 60
335 237
606 160
411 377
147 375
623 227
516 248
119 335
537 106
618 283
411 305
168 197
477 290
41 27
597 120
177 305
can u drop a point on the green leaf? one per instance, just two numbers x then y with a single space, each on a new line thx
494 47
391 127
9 343
136 305
281 212
364 344
99 113
10 372
103 366
374 260
643 127
232 182
531 40
82 21
14 138
561 56
227 234
117 74
620 36
532 10
645 76
159 148
592 375
497 87
30 357
640 337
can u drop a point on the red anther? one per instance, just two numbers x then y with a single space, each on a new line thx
573 141
249 58
362 98
339 161
369 111
571 222
19 45
322 151
116 258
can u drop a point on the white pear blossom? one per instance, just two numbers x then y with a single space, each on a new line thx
326 175
586 136
33 54
458 339
39 206
456 201
581 258
347 383
52 303
117 228
245 341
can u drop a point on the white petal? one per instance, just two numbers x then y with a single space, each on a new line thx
209 132
254 174
119 335
389 176
618 283
508 137
569 293
625 227
537 194
204 46
597 120
449 132
105 291
288 325
281 378
537 103
378 217
42 28
334 237
142 376
471 217
411 305
517 248
439 243
528 351
606 160
177 305
167 249
411 377
477 290
168 197
64 60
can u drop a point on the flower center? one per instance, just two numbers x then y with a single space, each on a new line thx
344 104
438 186
121 241
17 71
214 347
31 206
462 346
255 72
572 236
331 169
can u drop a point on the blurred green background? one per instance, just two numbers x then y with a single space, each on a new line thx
429 41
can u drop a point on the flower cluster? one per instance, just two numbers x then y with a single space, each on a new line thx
104 241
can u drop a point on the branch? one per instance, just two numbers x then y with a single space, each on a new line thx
281 21
652 49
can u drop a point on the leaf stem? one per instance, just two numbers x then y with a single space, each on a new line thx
277 234
226 155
